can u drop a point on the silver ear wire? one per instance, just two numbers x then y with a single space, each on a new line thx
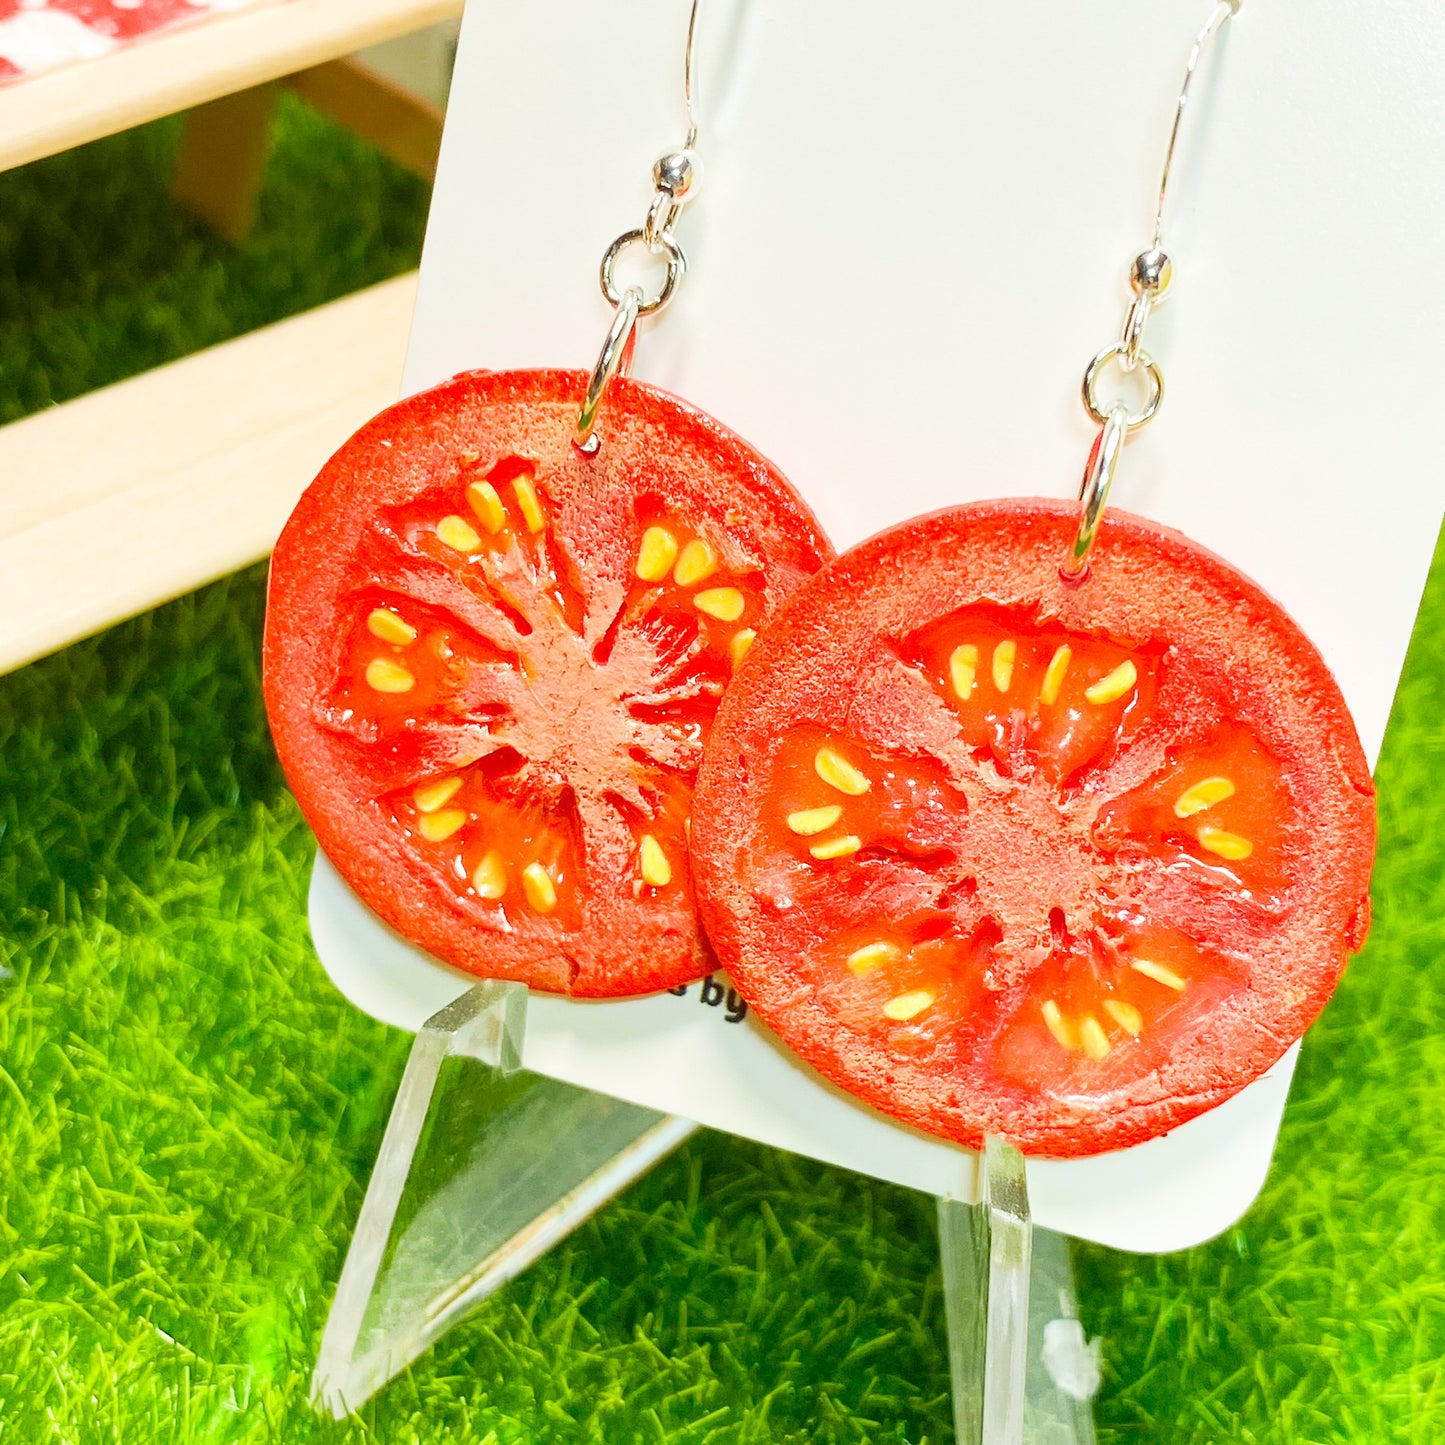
687 88
1222 11
1150 275
675 177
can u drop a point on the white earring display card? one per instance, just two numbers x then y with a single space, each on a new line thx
912 232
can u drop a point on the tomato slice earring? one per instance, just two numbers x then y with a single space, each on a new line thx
499 624
491 660
1034 820
1003 854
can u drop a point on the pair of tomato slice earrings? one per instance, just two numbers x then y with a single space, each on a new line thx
1015 819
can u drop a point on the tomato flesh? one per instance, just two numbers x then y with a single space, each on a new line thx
1004 854
1007 666
492 661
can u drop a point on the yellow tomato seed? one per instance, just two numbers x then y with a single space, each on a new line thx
386 625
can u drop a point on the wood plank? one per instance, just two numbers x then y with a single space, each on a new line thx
183 68
397 121
129 496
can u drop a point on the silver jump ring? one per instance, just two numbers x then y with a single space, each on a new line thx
1156 387
676 265
1131 343
1094 491
662 216
615 359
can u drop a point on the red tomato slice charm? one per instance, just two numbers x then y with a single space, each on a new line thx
1002 854
491 661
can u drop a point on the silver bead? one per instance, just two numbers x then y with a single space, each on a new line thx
677 174
1151 271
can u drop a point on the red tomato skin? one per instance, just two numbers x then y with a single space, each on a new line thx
1145 583
651 442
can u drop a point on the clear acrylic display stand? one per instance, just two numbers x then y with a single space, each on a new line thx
484 1166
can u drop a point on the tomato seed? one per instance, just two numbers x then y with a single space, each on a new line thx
386 625
1003 665
483 499
724 603
1058 1025
838 772
431 796
1158 972
1093 1038
384 675
490 878
1225 845
962 667
1054 676
653 864
872 956
656 554
1204 794
537 884
438 827
696 563
909 1005
529 505
1125 1015
458 534
1113 687
809 821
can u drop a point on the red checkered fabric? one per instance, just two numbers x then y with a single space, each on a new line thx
38 35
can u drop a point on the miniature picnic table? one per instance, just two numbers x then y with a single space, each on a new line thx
119 500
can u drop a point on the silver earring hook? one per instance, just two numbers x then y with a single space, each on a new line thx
1150 275
674 177
1221 12
687 89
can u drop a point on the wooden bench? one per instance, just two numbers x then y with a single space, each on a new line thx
129 496
189 67
122 499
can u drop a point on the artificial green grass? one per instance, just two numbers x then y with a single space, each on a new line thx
101 276
188 1110
191 1111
